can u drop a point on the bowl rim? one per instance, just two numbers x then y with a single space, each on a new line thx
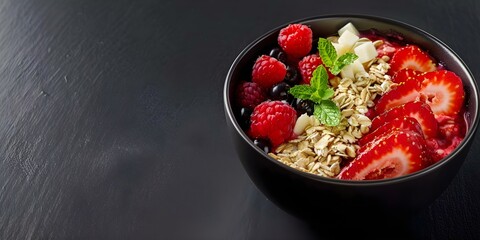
366 183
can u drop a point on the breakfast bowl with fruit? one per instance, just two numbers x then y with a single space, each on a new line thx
349 116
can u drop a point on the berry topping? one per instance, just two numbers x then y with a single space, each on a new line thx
404 74
263 144
307 65
279 91
292 77
371 113
278 54
405 123
245 114
393 154
398 95
250 94
296 40
439 152
443 91
267 71
451 131
418 110
450 127
273 120
411 57
304 106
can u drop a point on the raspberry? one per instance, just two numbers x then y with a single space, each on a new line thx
250 94
267 71
295 40
307 65
274 120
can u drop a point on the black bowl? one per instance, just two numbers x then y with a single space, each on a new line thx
313 197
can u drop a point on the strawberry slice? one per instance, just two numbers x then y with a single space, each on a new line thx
371 113
398 95
404 74
394 154
411 57
418 110
443 91
405 123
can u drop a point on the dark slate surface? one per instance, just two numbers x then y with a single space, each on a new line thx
112 123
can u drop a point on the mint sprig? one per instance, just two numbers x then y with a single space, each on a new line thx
320 93
330 59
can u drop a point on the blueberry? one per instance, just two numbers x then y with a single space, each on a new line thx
263 144
279 54
304 106
279 91
292 101
245 114
292 77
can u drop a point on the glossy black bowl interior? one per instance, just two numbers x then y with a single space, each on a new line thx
314 197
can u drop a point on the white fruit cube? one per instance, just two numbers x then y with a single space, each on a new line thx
347 72
348 38
349 26
302 122
341 48
357 67
366 52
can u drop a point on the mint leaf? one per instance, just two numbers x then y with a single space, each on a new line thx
316 97
327 93
319 78
327 52
302 91
327 112
319 82
342 61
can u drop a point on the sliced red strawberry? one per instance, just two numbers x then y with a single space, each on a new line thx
411 57
405 74
443 91
405 123
371 113
398 95
418 110
394 154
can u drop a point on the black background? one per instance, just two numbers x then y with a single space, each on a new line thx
112 122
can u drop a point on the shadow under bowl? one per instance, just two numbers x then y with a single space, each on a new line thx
314 197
